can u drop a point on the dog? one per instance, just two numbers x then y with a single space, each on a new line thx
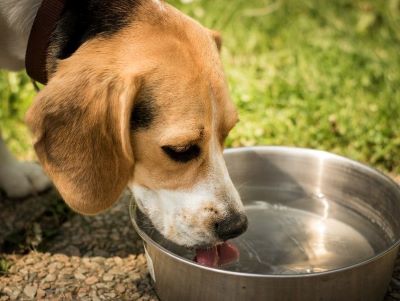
136 98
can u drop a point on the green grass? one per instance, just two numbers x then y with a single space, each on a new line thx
16 94
4 266
319 74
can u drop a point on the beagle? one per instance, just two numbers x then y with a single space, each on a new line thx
136 98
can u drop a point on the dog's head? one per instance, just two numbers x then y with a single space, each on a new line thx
146 107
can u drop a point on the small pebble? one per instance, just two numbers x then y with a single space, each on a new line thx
45 286
118 260
50 278
110 295
40 293
120 288
91 280
30 290
94 296
108 277
79 276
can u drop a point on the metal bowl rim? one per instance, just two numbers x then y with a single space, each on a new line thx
289 149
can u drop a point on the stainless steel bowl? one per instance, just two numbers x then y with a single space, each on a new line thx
321 227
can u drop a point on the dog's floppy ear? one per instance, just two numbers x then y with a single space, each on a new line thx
80 123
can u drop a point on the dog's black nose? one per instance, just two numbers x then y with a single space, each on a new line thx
232 226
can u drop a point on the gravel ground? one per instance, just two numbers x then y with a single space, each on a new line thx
48 252
68 256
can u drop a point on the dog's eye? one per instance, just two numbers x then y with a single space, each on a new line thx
182 153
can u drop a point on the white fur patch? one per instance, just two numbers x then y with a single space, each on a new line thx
16 19
178 215
20 179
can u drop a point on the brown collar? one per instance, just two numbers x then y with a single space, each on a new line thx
45 22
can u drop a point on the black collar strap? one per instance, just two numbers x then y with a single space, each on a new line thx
43 26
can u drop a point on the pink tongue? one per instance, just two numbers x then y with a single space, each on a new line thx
228 253
218 255
207 257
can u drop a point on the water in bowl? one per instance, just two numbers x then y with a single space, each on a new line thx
292 233
312 234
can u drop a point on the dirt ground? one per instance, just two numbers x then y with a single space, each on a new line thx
47 252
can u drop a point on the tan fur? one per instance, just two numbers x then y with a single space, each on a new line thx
80 120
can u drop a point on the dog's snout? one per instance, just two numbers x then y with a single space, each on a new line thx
232 226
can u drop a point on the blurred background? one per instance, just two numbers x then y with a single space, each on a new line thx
319 74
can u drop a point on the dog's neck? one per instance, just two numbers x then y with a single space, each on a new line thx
16 19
